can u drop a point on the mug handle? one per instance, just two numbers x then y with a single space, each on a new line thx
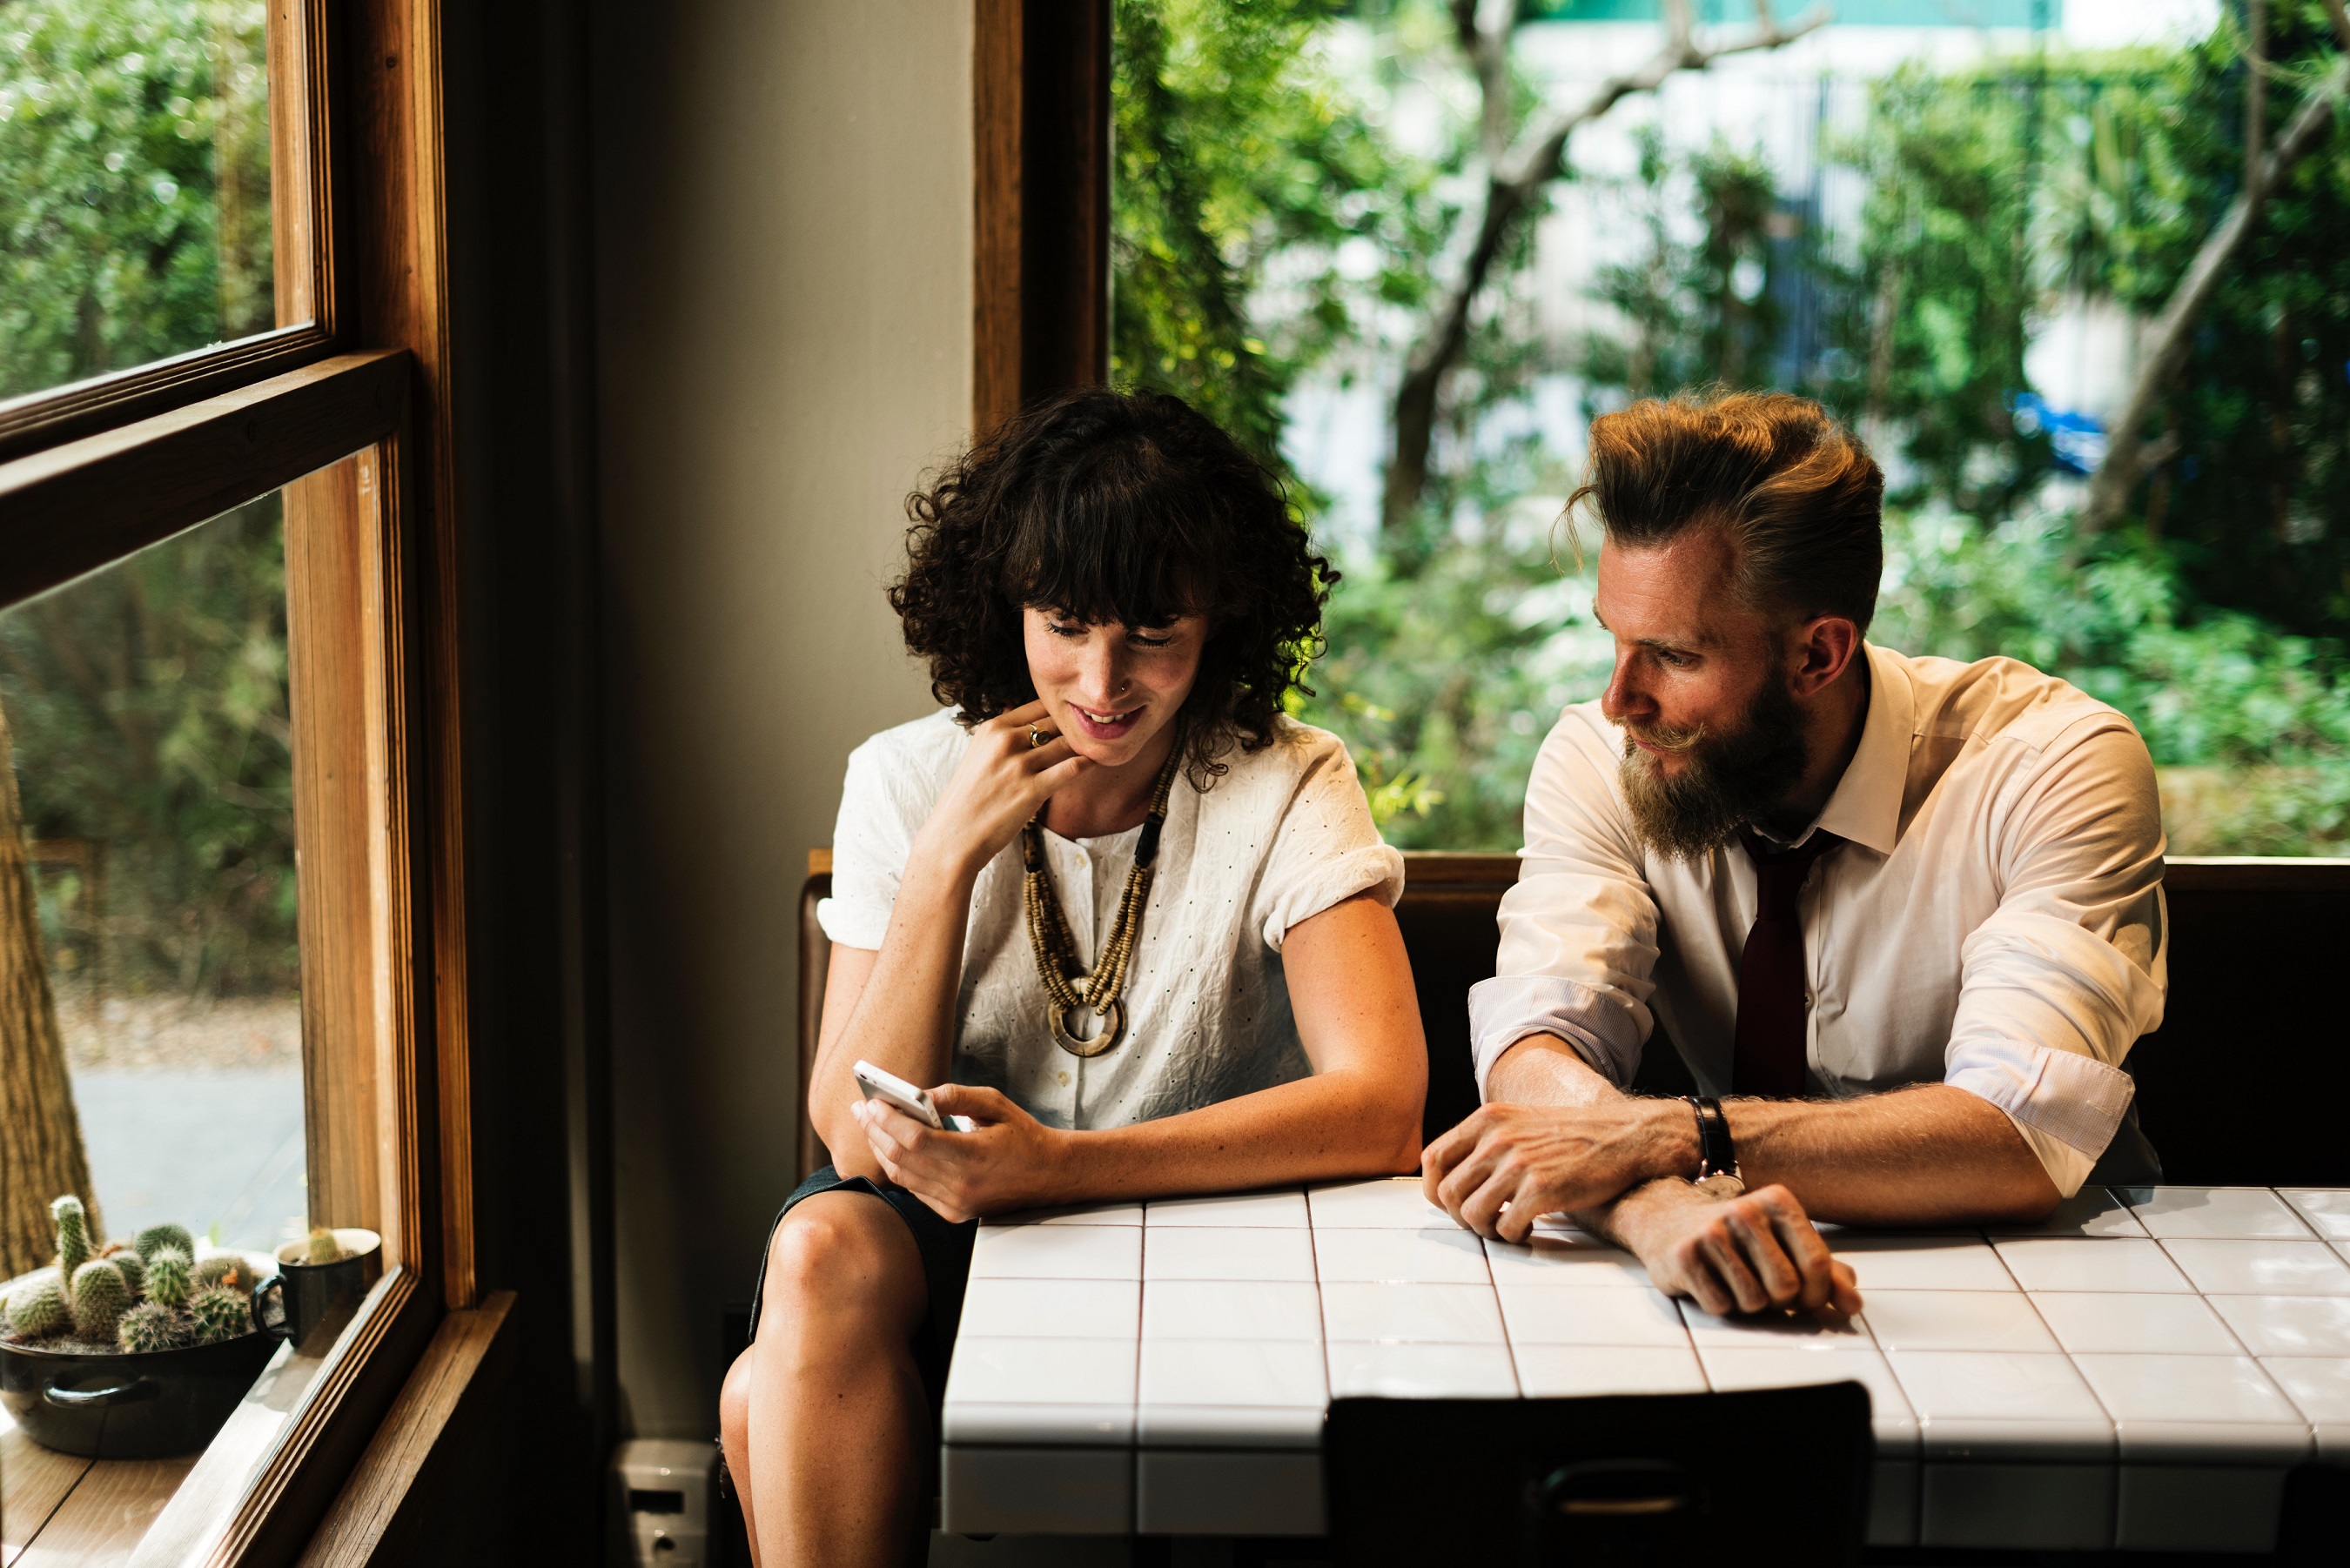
134 1392
269 1308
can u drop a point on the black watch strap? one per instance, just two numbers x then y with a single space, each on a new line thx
1717 1156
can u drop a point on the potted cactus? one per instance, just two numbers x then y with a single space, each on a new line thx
136 1349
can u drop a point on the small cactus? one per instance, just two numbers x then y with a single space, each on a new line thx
73 1234
227 1269
323 1247
167 1276
134 1272
37 1309
100 1295
156 1236
219 1313
152 1326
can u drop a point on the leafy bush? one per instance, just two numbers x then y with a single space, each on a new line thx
134 217
149 702
2249 727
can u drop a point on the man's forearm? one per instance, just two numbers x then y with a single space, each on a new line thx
1919 1155
1925 1155
1544 1070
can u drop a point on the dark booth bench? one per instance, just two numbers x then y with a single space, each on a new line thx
2233 1089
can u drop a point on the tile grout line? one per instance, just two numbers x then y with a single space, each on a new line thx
1134 1433
1493 1286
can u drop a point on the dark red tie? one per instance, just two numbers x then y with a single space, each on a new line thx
1772 1005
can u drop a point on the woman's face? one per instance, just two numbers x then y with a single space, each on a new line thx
1112 689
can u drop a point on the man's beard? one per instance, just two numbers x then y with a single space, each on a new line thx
1728 783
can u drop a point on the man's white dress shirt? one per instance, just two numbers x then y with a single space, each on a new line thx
1283 836
1995 921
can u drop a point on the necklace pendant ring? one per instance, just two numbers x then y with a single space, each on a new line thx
1113 1029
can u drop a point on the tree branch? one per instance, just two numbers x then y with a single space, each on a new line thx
2256 86
1512 184
1488 51
2127 457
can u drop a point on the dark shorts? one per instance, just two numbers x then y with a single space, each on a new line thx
945 1250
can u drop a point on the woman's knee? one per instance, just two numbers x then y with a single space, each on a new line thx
841 1253
735 1405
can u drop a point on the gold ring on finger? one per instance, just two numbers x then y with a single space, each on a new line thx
1036 736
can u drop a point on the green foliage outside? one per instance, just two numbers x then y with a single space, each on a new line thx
149 701
134 183
1996 192
1234 150
2216 619
1695 308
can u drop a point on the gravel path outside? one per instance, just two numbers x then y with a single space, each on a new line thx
192 1111
179 1033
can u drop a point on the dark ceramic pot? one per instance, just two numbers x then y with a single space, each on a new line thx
126 1406
310 1304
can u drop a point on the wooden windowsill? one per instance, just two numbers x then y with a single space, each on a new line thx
61 1509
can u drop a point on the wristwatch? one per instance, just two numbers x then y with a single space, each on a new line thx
1717 1156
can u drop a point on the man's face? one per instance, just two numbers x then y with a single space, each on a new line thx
1713 736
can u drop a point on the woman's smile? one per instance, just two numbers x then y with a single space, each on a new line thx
1113 724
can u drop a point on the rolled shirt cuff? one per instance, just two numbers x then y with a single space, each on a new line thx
1506 1009
2065 1104
1367 869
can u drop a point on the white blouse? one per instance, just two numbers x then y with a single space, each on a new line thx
1282 837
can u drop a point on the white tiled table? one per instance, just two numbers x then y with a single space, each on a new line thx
2139 1372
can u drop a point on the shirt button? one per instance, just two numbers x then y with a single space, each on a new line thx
1064 1077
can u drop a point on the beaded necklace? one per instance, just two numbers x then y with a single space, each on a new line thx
1102 991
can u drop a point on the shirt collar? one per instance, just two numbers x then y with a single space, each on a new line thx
1866 805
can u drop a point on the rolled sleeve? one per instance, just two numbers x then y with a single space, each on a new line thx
883 804
1508 1007
1326 848
2070 968
1579 929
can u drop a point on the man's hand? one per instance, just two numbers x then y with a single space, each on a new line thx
1732 1255
1006 1161
1546 1159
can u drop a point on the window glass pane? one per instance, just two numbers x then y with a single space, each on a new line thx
1957 230
147 828
134 183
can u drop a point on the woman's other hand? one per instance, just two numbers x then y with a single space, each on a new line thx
1008 1160
1003 780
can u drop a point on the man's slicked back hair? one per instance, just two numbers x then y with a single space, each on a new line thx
1795 494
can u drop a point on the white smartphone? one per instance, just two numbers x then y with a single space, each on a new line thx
880 1084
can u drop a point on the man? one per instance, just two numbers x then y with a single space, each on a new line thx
1903 916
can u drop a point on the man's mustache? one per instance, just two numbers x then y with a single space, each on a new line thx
1675 739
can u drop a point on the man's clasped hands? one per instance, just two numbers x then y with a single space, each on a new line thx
1618 1169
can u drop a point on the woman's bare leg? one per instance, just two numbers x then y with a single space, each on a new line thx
835 1424
734 1438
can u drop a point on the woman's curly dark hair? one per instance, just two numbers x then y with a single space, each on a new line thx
1127 508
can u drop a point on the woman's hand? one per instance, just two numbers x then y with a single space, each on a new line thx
1009 1159
1002 781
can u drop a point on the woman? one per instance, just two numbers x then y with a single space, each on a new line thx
1131 920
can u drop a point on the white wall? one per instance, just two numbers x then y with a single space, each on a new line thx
784 280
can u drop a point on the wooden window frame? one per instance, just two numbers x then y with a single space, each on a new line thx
301 46
1040 215
347 411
